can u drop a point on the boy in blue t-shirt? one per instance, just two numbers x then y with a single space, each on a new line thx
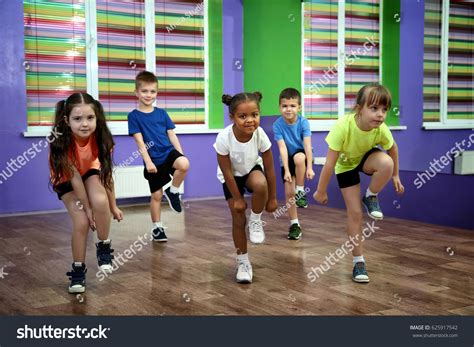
293 136
159 146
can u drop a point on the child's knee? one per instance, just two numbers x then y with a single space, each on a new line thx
99 202
299 158
260 186
157 195
81 225
386 164
182 164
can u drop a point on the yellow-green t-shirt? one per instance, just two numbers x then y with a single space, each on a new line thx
352 143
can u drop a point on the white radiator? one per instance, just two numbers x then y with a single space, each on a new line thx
464 163
130 183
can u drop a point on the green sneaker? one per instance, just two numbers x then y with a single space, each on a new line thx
295 232
301 200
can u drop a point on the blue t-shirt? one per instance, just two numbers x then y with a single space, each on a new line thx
292 134
153 126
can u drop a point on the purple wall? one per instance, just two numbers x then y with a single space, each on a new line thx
27 189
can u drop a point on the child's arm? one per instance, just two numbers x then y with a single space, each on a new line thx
224 163
272 202
284 159
116 212
80 191
321 195
174 140
393 153
308 151
150 167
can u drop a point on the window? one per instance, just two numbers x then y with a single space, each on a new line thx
99 46
448 85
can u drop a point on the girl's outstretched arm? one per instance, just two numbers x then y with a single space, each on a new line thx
80 191
224 163
393 153
321 194
272 203
116 212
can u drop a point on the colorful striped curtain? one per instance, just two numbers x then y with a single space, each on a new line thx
180 59
432 61
54 55
460 60
121 54
361 47
320 59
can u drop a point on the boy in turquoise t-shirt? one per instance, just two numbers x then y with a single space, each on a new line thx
293 136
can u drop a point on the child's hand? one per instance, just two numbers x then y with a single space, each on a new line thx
117 213
90 217
151 168
240 205
321 197
271 205
287 176
399 188
310 173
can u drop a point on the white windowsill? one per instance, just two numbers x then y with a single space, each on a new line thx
440 126
323 128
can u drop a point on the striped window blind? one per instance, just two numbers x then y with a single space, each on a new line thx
460 60
54 55
121 54
180 59
432 61
362 55
320 55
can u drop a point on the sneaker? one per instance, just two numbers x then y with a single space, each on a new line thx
244 272
104 255
159 234
295 232
256 233
359 273
301 200
372 206
173 200
78 278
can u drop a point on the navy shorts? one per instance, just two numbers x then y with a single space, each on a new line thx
291 165
240 180
157 180
66 187
351 178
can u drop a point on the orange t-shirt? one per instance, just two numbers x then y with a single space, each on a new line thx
87 157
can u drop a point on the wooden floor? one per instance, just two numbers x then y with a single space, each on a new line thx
415 268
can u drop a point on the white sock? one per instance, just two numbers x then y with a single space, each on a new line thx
294 221
369 193
243 258
358 259
174 190
105 241
299 189
77 264
157 225
255 216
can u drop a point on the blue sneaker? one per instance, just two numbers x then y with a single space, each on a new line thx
372 206
359 273
104 255
173 200
78 278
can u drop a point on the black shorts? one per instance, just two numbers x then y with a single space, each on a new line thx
240 180
157 180
351 178
66 187
291 165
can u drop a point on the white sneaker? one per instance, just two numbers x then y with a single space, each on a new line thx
256 233
244 272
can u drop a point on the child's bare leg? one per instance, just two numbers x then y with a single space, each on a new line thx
80 226
181 166
238 228
290 199
354 217
100 206
155 205
258 184
380 165
300 168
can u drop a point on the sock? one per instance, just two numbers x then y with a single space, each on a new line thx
173 189
105 241
294 221
369 193
299 189
157 225
255 216
77 264
243 257
358 259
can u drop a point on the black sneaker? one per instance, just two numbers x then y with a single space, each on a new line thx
104 255
359 273
78 278
295 232
173 200
159 234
